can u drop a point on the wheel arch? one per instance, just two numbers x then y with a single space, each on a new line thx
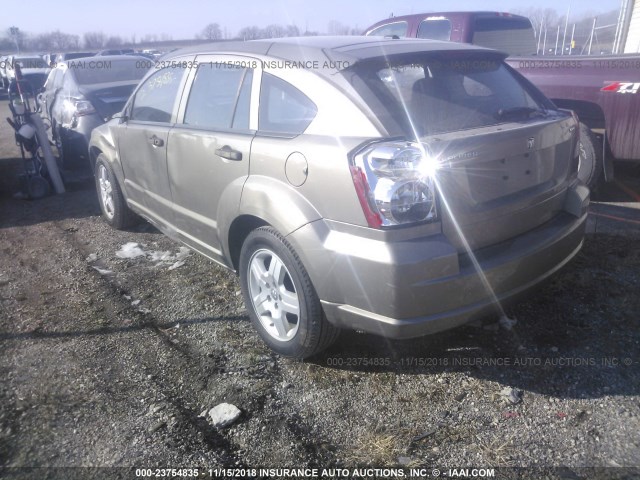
265 201
239 230
589 113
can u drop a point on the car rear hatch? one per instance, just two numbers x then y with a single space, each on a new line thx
498 182
504 154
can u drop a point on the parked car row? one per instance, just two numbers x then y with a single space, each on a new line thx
76 92
45 61
34 69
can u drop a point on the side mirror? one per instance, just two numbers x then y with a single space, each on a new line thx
121 116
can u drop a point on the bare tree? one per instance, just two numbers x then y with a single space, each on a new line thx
64 41
541 18
113 41
211 32
273 31
249 33
94 40
336 28
292 31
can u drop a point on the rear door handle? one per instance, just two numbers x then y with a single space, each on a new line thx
229 153
156 141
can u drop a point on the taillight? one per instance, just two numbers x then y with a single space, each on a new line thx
395 183
79 107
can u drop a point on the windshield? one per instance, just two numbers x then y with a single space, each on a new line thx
91 70
421 95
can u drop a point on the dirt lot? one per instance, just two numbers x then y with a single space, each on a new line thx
109 362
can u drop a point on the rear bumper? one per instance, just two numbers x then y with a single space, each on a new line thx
416 287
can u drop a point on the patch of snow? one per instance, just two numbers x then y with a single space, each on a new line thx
176 265
160 258
156 256
103 271
130 250
92 258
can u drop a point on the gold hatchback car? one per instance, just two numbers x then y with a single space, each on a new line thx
400 187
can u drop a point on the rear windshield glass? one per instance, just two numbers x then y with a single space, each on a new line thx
435 29
34 62
92 70
510 35
423 95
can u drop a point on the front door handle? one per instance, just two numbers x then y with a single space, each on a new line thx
156 141
229 153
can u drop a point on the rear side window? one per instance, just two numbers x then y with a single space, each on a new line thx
155 99
283 108
512 35
396 29
417 95
435 29
219 97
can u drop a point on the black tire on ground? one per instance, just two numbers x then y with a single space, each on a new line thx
590 166
278 293
112 203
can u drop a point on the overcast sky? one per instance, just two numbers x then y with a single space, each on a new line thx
186 18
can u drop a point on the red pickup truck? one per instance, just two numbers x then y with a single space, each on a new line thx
603 90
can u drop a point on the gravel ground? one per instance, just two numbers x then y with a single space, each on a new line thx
114 362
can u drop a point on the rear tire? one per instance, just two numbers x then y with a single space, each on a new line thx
114 208
282 303
590 149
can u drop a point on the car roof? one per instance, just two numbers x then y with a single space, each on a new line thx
344 49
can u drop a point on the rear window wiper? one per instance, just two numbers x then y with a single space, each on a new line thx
529 112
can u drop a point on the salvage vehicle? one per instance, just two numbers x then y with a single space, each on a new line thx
602 90
399 187
79 95
33 67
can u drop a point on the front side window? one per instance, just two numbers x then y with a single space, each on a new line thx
283 108
219 97
155 99
396 29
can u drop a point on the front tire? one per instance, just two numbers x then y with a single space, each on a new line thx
282 303
114 208
591 160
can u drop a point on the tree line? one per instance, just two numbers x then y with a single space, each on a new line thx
15 39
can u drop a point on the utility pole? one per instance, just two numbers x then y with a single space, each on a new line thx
15 33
